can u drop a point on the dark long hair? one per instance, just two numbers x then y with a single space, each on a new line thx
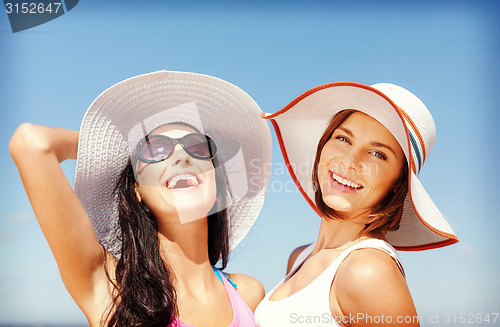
144 294
384 216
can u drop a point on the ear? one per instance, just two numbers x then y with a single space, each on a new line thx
137 189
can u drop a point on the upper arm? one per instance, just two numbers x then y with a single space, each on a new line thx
293 257
37 152
249 288
370 282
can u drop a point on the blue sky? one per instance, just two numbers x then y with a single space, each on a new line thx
446 52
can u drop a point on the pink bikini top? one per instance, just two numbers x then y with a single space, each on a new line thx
242 315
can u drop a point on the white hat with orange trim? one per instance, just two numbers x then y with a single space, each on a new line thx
300 125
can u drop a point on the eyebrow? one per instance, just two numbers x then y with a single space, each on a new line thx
376 144
347 131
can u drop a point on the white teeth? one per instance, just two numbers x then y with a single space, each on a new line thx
188 177
344 181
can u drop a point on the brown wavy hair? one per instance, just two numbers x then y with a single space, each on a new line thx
386 215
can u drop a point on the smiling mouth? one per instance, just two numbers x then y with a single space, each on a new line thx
183 181
345 182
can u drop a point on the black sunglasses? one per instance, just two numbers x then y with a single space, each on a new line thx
156 148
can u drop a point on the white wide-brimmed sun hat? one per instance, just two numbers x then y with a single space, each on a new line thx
128 111
300 125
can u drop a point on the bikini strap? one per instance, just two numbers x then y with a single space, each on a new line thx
218 274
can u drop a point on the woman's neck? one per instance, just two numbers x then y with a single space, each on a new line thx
185 248
338 233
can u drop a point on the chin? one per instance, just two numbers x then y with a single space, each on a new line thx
191 214
337 203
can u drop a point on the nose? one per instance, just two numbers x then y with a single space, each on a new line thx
180 157
352 161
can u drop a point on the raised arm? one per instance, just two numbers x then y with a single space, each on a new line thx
37 152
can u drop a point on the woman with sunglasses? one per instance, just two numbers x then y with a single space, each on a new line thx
161 195
357 166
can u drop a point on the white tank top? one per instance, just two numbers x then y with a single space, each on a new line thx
311 305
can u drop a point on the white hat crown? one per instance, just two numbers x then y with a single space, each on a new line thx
418 120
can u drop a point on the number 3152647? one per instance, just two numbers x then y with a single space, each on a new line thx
32 8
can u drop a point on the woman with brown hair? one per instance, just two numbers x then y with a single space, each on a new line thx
354 152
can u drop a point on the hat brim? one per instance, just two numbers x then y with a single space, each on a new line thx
422 225
221 110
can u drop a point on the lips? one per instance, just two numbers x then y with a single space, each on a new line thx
183 180
346 183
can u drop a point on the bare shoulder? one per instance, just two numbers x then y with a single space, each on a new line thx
249 288
293 257
369 265
370 281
